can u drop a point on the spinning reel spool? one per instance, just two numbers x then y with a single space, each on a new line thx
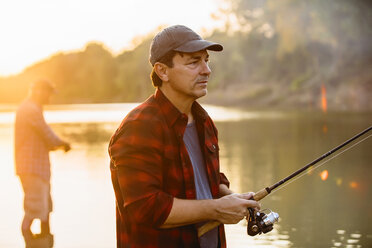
259 222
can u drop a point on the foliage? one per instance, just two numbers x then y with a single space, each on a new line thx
276 53
293 47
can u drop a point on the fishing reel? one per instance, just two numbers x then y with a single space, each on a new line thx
259 222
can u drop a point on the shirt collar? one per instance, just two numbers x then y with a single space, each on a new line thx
199 112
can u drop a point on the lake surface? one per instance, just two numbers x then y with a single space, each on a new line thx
330 206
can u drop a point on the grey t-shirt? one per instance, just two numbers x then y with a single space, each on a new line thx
203 191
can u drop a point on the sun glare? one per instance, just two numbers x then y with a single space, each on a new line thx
34 30
353 185
324 175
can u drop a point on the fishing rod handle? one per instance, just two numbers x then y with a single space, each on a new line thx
207 227
213 224
261 194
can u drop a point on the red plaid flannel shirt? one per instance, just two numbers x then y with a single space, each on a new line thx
150 165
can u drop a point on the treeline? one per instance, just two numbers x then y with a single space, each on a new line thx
276 54
90 76
285 50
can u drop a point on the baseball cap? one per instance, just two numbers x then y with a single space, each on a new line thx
181 39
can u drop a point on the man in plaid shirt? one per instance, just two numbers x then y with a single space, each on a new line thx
33 141
165 155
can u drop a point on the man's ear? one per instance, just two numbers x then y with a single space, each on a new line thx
162 71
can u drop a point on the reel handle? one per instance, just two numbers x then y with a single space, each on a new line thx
213 224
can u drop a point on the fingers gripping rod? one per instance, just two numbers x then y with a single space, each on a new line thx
212 224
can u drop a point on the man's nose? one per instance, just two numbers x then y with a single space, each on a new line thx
205 68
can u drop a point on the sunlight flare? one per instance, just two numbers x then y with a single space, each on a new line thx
324 175
324 99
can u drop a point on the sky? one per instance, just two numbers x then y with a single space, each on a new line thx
31 31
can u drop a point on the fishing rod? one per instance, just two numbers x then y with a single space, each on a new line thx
259 222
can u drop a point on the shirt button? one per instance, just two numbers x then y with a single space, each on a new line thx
214 147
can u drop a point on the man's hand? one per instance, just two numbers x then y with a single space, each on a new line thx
234 207
66 146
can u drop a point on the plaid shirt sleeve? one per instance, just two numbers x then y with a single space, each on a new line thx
37 122
137 155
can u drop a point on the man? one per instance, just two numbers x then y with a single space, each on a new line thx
33 141
164 156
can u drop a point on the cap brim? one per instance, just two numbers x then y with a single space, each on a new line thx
199 45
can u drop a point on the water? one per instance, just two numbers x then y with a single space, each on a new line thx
257 148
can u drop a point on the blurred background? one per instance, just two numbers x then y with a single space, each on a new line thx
294 81
277 53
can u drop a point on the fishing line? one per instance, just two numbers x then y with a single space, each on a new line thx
317 166
256 221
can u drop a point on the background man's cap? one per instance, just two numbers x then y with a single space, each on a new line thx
43 84
181 39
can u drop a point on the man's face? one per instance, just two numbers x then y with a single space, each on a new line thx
43 95
189 75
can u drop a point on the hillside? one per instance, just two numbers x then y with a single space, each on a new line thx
277 54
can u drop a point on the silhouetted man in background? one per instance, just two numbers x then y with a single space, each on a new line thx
33 141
